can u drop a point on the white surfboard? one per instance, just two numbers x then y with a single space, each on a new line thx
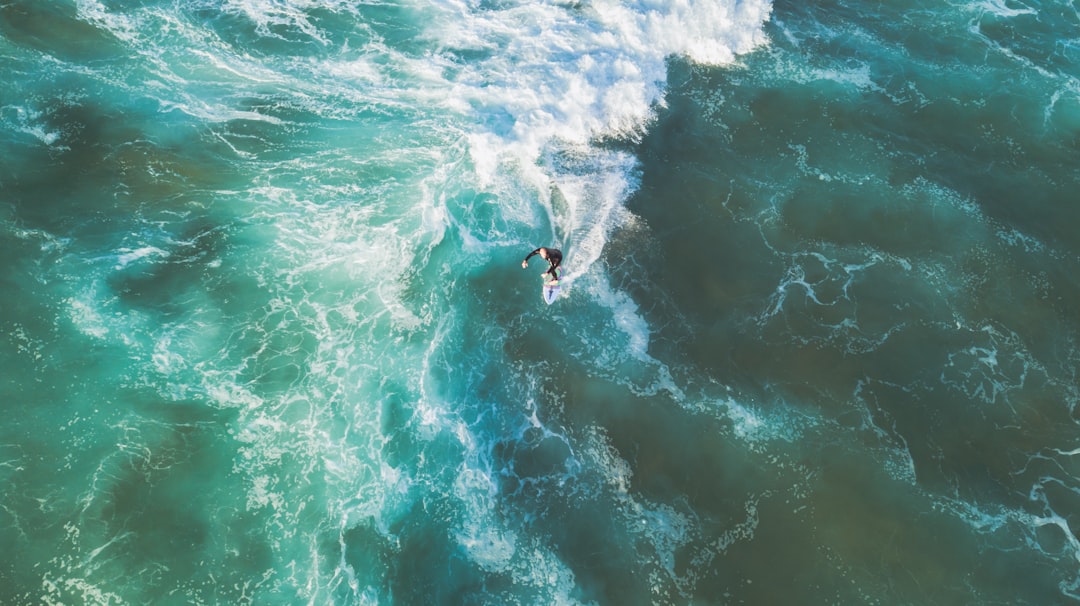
551 292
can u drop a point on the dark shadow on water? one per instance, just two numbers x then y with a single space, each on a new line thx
55 29
429 567
169 500
163 284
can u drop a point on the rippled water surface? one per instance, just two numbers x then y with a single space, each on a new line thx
266 338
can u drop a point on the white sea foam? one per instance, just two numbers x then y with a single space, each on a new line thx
1001 9
30 121
626 317
1002 519
897 457
557 77
996 365
267 16
480 534
127 256
116 23
87 317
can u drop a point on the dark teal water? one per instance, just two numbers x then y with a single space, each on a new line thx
267 339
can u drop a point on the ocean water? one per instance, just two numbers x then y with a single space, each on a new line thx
266 338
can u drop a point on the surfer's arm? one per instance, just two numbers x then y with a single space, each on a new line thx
525 263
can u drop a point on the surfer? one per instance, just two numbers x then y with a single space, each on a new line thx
552 255
551 276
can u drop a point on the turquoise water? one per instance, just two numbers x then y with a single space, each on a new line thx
267 339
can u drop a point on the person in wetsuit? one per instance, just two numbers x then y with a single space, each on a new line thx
552 255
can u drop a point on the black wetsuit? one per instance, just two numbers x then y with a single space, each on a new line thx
554 258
